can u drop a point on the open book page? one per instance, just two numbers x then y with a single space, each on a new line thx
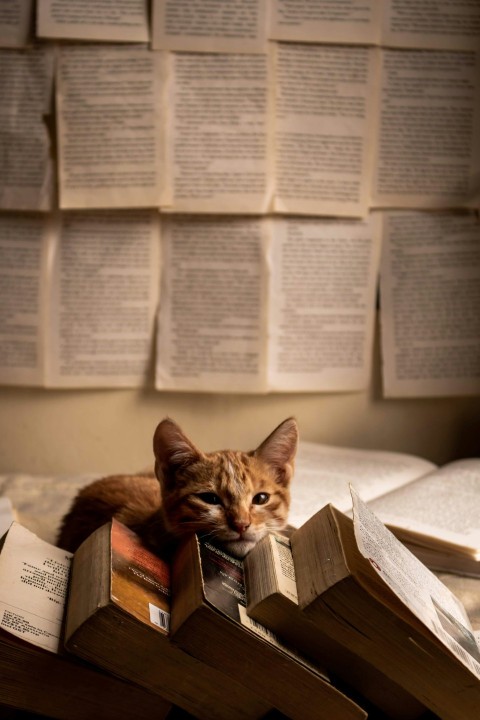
26 84
93 20
326 21
109 114
104 292
23 281
322 303
326 106
16 22
467 590
418 588
323 473
212 316
438 24
430 304
209 25
218 137
33 587
444 504
428 148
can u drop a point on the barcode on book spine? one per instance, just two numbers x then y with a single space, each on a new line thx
159 617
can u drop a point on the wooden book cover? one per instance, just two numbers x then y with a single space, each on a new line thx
36 675
363 588
272 600
209 621
118 617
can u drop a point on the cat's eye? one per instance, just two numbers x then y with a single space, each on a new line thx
210 498
260 498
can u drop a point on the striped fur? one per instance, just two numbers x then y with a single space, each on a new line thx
231 497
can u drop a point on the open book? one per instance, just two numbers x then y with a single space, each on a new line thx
363 588
118 618
434 511
37 675
210 623
272 600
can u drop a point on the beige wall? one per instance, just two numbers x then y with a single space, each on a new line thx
45 431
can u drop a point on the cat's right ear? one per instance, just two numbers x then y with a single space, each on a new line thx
173 450
279 449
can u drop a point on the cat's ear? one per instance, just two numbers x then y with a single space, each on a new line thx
173 450
279 448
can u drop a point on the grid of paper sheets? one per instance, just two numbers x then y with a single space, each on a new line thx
203 195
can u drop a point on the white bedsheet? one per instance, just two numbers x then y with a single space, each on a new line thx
39 501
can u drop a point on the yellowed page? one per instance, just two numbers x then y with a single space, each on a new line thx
416 586
326 21
435 25
428 143
110 131
225 26
323 474
212 315
322 303
107 20
26 83
443 505
218 133
326 107
33 588
23 283
16 23
430 304
103 296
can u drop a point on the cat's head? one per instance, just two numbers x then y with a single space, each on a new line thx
230 497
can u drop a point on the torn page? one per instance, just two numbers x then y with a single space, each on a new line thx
26 171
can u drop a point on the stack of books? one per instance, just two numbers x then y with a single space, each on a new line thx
338 621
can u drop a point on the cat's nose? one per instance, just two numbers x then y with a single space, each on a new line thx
241 525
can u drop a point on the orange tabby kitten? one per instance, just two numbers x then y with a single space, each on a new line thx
231 497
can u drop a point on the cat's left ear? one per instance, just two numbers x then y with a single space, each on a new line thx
279 448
